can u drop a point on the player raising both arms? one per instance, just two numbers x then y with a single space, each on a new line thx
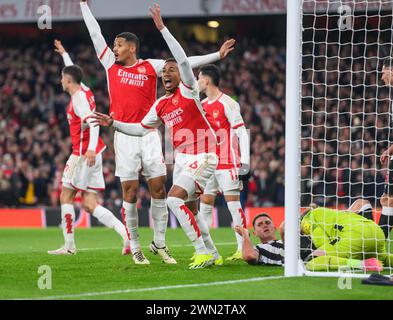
223 113
83 170
132 87
193 139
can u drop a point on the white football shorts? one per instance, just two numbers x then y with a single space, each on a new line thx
199 168
78 176
133 154
224 181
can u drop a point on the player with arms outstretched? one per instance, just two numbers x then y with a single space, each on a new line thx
193 139
132 86
83 170
223 113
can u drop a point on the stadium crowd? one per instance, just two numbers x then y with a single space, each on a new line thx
34 136
345 117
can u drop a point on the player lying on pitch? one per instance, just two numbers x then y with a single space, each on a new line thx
132 85
192 137
83 170
270 251
345 239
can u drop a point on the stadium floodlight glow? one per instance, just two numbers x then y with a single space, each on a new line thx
213 24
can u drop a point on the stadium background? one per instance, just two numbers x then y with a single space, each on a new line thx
34 137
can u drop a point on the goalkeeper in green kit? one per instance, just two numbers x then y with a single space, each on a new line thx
344 239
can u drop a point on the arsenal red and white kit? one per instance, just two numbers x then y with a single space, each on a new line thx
77 175
192 136
224 116
81 106
132 91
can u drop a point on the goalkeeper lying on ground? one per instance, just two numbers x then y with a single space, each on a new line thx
345 239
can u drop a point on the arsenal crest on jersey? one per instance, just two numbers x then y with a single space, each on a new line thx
141 69
216 113
175 101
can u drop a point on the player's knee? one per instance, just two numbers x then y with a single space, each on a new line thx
130 194
89 205
158 192
66 197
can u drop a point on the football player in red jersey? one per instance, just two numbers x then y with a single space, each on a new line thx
83 170
224 115
132 86
194 141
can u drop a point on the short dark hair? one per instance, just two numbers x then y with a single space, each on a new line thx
130 37
259 215
75 72
171 59
212 72
388 63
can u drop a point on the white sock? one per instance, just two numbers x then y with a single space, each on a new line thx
188 223
159 213
238 218
131 217
207 239
67 224
109 220
207 211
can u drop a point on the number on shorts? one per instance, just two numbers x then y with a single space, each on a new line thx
194 165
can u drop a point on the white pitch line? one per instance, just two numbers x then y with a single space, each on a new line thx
179 286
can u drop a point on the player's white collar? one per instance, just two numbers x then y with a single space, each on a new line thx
210 102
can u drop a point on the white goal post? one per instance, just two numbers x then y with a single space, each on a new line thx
338 123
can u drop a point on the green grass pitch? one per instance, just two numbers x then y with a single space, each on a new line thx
99 271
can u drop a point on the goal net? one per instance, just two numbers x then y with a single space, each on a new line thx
345 124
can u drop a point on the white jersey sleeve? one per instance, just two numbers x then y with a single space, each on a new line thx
83 111
67 59
232 111
151 119
157 64
195 61
186 74
81 105
104 53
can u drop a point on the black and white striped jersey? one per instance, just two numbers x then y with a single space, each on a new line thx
271 253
